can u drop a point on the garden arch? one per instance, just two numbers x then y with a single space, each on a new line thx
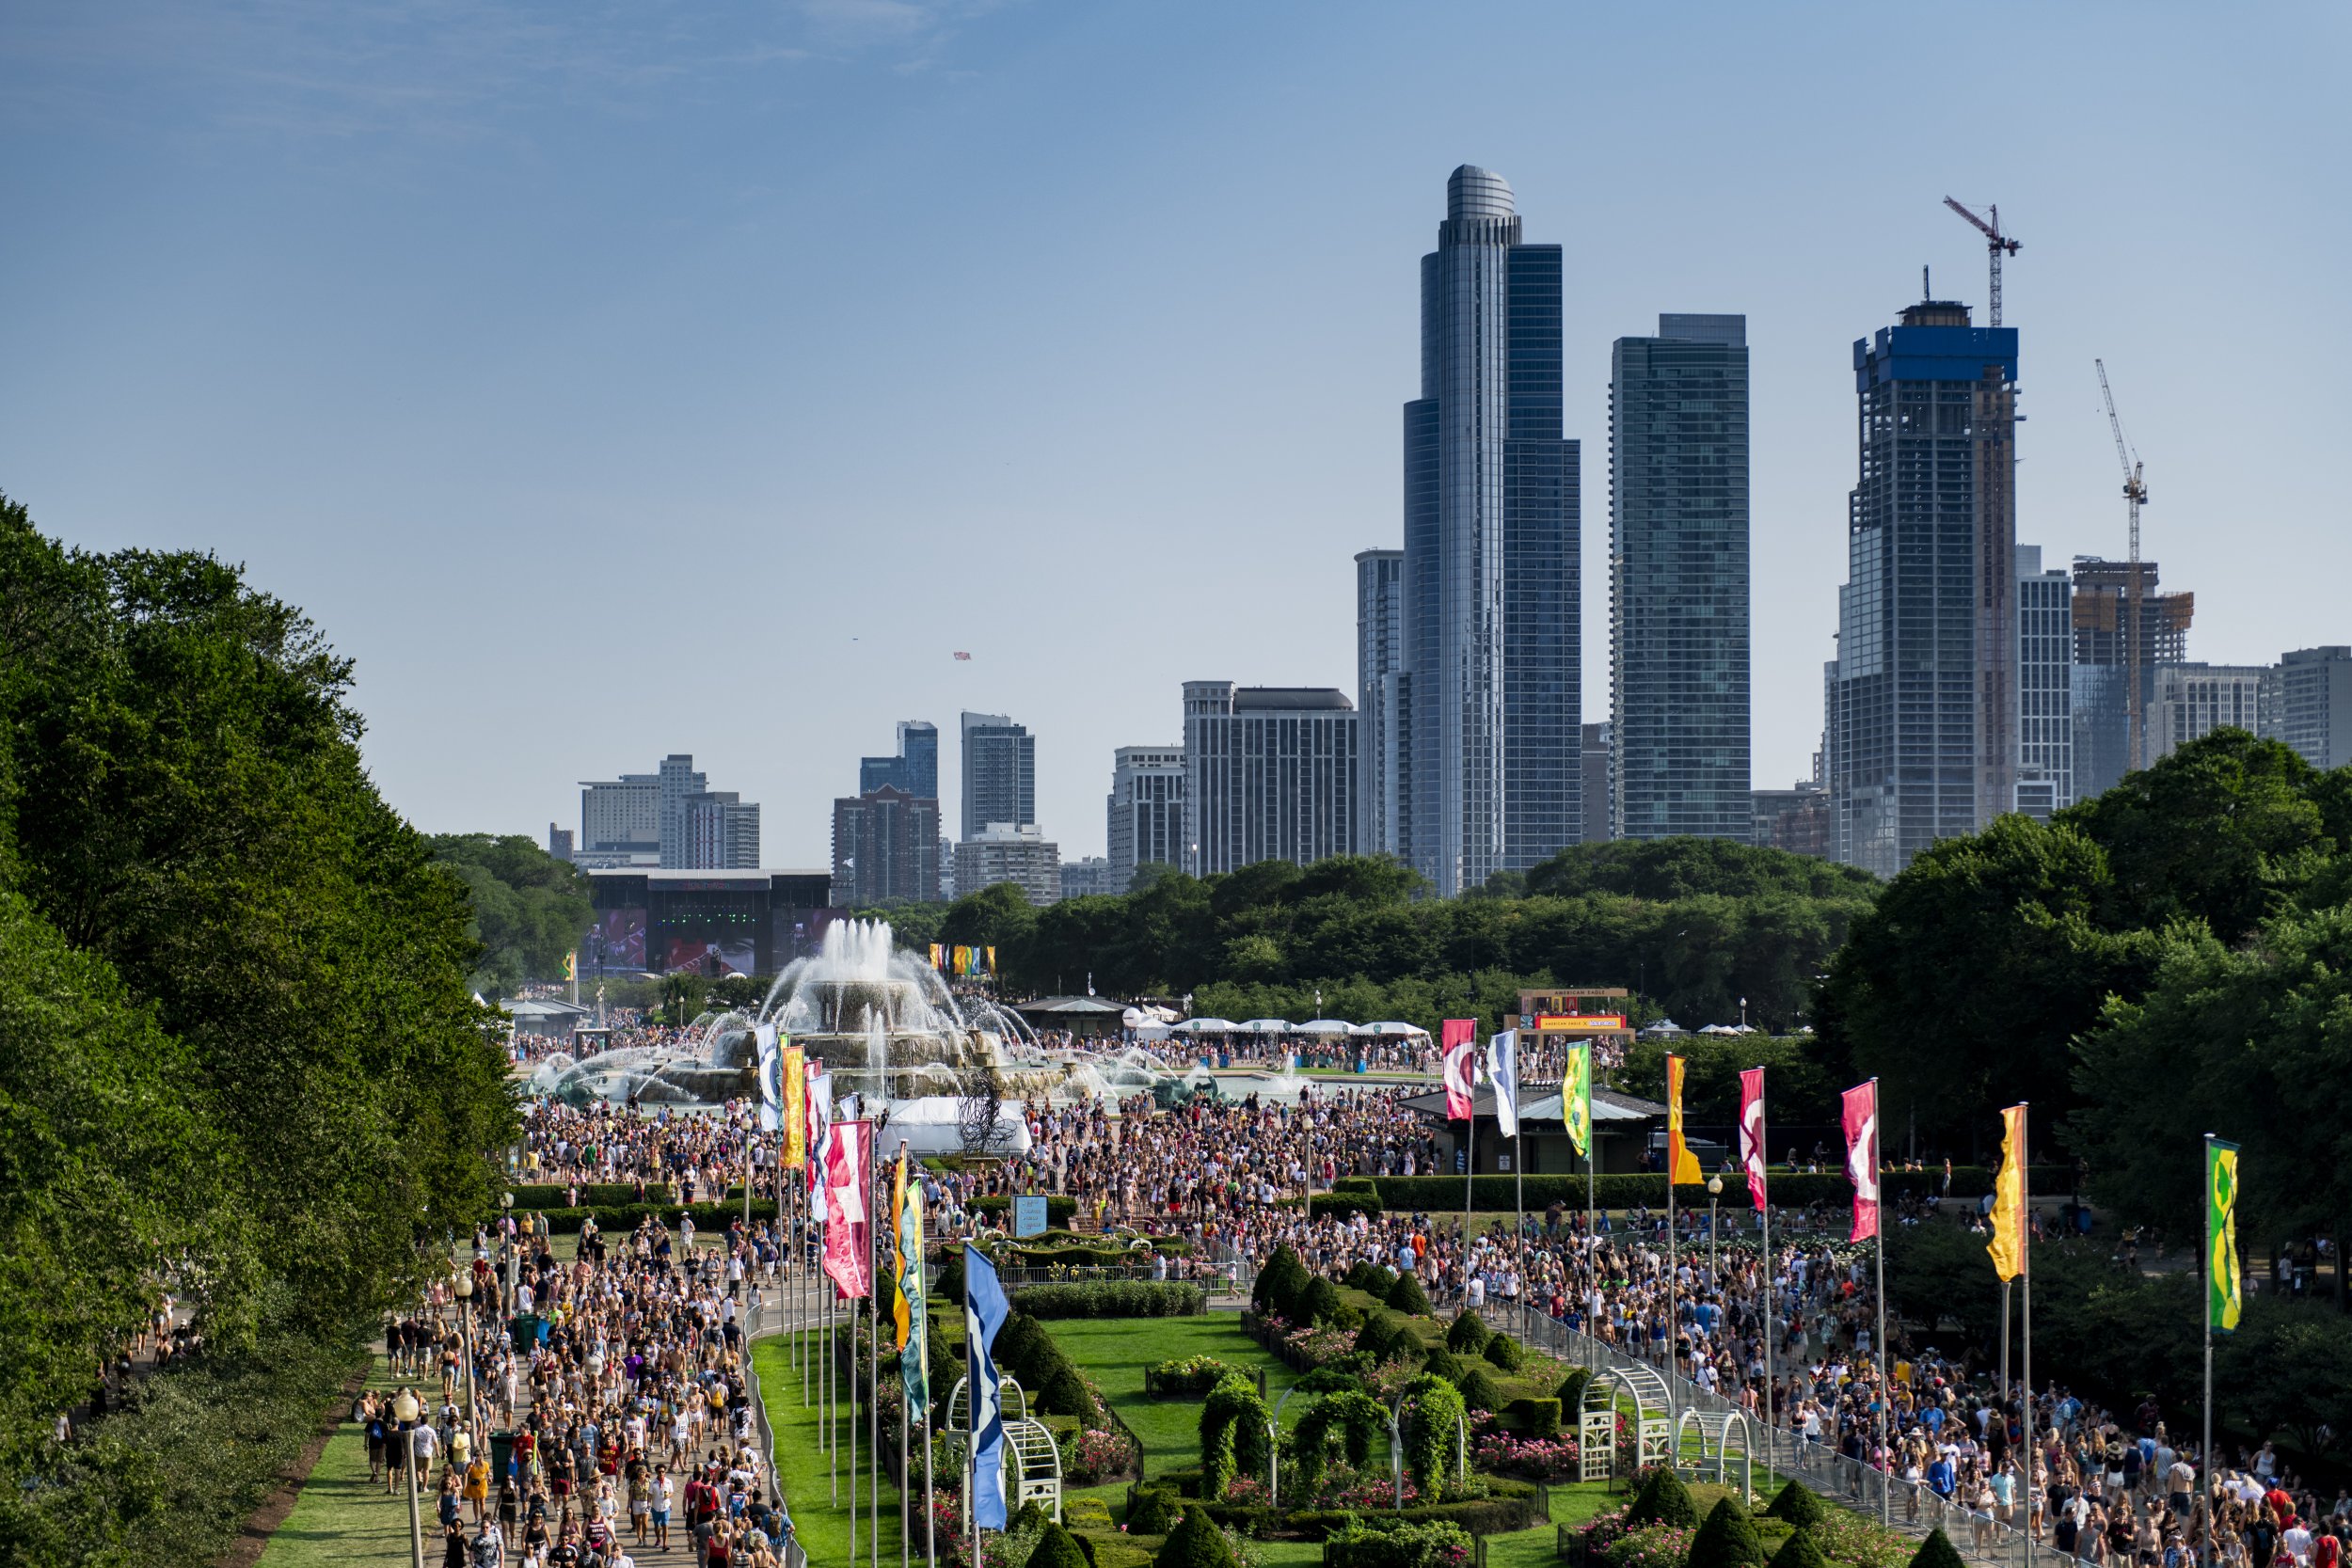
1396 1445
1358 1415
1009 1394
1037 1463
1717 1431
1597 1421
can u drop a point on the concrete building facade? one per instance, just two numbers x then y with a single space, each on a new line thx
1145 813
1270 774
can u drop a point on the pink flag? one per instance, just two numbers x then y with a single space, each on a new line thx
1459 1035
848 1225
1862 1156
1751 1131
817 1105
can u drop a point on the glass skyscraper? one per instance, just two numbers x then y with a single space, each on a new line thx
1379 658
1921 703
1678 579
1486 773
999 775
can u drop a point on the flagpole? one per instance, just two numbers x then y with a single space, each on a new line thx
2205 1455
2024 1267
930 1449
1469 1173
873 1390
1764 1152
854 1304
1878 1224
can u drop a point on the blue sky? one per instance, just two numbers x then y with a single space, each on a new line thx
617 379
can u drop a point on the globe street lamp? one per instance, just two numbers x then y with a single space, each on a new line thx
405 1412
506 1209
463 1290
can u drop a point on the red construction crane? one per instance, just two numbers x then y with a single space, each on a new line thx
1995 243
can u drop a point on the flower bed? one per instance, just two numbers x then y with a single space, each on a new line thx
1535 1458
1186 1379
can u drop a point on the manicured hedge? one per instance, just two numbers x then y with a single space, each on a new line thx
1440 1195
1515 1505
1343 1205
594 1194
1058 1210
1112 1298
617 1222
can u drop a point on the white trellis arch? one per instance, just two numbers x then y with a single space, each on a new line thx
1717 1431
1009 1392
1036 1461
1597 1421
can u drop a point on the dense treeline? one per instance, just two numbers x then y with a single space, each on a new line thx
2171 959
1694 925
529 908
238 1053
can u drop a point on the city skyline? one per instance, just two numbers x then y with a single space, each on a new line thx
406 355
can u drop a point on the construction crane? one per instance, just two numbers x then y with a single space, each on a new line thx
1995 243
2134 497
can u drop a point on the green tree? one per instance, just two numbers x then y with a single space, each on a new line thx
1726 1539
530 908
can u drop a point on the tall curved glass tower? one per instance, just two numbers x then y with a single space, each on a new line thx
1486 778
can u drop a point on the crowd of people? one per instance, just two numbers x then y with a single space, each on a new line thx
617 1389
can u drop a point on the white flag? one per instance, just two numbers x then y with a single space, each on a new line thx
1502 1068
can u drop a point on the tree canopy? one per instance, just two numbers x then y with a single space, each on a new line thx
529 908
236 1038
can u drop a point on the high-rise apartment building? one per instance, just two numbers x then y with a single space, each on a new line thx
619 821
885 848
1597 761
915 771
560 842
2307 705
1145 813
1270 775
1487 775
1086 878
721 831
2102 706
2045 687
1381 789
1011 852
1678 579
1921 706
999 774
2191 701
679 785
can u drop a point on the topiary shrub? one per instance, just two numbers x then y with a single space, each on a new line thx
1444 1364
1155 1512
1319 1302
1057 1548
950 1280
1662 1500
1065 1394
1468 1334
1479 1389
1801 1550
1504 1353
1728 1539
1406 1295
1936 1551
1433 1441
1378 1336
1539 1418
1797 1505
1279 1284
1232 1436
1330 1380
1369 1277
1195 1543
1571 1390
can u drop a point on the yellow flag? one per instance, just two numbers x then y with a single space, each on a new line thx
898 1247
571 964
2008 1245
795 1109
1682 1166
2221 1272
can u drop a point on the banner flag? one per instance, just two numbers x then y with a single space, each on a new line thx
991 965
1862 1156
1752 1154
985 1309
848 1191
768 1064
1460 1062
820 1127
897 1247
2221 1277
1502 1068
1576 1097
914 1368
2008 1245
571 964
794 1076
1682 1166
938 956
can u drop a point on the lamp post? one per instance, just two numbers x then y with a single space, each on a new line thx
404 1411
1714 1191
463 1290
506 1209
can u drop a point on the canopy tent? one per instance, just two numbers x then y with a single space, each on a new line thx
1389 1031
1325 1027
1203 1026
1267 1026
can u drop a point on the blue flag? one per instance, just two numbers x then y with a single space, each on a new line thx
985 1309
1502 1068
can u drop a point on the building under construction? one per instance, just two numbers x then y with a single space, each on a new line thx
2102 705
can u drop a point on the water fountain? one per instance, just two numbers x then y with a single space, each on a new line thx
882 1022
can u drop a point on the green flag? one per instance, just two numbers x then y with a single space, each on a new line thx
1576 1097
2221 1275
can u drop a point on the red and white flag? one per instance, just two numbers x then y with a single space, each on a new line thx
1460 1036
1862 1156
1752 1133
848 1219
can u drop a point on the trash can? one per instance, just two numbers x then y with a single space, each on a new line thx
502 1455
524 1332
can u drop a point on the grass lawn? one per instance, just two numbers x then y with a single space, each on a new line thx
342 1518
1115 1352
805 1473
